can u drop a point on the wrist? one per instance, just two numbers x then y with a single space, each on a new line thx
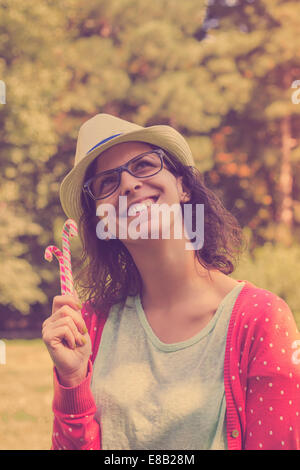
72 379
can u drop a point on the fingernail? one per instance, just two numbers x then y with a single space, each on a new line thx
83 330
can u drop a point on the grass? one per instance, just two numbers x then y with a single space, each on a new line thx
26 392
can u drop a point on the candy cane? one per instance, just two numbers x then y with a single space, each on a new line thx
64 258
49 252
69 230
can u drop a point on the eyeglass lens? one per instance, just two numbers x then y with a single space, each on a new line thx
144 166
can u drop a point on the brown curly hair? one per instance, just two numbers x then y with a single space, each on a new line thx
106 274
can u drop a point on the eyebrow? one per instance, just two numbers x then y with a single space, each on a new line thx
117 167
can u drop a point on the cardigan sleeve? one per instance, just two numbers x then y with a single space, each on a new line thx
75 426
272 405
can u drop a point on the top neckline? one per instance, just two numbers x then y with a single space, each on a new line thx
169 347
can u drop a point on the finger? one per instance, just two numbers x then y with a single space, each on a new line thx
62 334
61 300
67 311
68 321
44 325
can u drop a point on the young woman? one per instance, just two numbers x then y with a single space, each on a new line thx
168 351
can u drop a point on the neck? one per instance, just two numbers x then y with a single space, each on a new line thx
170 273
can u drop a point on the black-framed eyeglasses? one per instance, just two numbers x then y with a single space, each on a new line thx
145 165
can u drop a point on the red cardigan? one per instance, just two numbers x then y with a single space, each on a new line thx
261 380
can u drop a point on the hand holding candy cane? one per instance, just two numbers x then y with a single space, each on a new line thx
64 257
64 332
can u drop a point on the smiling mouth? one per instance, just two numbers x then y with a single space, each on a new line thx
139 206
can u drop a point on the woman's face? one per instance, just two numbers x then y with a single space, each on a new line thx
164 186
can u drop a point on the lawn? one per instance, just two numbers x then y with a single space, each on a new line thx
26 396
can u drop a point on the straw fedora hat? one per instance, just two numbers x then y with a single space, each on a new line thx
102 132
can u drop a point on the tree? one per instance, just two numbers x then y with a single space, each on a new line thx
259 141
28 43
61 63
224 82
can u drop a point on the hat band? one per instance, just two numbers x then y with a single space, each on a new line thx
103 141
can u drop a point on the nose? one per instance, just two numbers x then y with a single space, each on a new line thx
128 183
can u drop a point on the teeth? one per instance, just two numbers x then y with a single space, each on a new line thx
139 206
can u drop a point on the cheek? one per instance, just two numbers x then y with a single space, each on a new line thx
111 202
166 185
97 208
105 210
173 190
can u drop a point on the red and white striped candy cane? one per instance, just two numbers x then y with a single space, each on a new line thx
69 230
64 258
49 252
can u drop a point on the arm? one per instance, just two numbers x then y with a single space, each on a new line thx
75 426
273 384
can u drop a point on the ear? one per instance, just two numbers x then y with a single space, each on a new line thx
184 194
185 197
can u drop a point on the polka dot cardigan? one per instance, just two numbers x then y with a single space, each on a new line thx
261 380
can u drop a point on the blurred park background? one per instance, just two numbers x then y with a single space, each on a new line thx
225 73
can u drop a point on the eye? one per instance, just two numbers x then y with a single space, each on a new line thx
104 184
141 164
108 180
145 164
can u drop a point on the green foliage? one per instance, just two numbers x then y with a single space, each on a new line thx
19 280
274 267
226 89
29 32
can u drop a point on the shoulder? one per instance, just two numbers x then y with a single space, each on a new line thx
263 323
259 306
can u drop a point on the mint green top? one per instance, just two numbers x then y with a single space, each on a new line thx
156 396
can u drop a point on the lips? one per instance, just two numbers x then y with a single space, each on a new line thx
139 204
